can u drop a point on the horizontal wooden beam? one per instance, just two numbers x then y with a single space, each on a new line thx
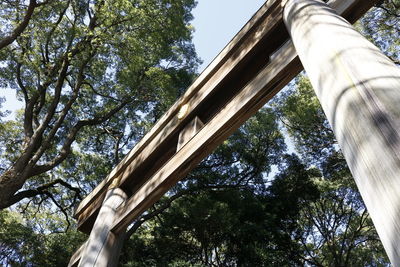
283 67
274 77
245 56
230 62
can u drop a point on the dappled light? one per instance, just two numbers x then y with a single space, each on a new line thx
358 89
252 163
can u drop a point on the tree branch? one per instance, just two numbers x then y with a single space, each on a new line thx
47 142
62 13
66 148
42 190
21 27
100 94
48 194
37 135
389 11
29 105
20 83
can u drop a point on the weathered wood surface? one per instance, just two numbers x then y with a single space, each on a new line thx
283 67
74 261
102 249
250 99
189 131
252 45
269 80
236 65
359 90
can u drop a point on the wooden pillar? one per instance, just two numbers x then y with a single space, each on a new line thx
359 90
103 246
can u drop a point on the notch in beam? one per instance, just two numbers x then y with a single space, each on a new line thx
189 131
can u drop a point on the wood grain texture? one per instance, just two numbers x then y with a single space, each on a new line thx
189 131
103 247
230 62
270 80
359 90
238 63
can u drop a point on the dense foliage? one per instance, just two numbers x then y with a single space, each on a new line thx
79 66
95 75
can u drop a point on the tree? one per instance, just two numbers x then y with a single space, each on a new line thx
381 26
7 11
248 204
79 66
22 244
335 229
226 213
304 120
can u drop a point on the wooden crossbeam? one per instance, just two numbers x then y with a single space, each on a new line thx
283 66
244 76
239 61
255 94
252 68
189 131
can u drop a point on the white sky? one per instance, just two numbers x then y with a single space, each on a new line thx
216 22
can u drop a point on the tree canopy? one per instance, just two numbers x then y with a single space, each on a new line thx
94 76
79 67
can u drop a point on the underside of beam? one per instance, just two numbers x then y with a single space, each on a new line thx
257 63
235 66
248 54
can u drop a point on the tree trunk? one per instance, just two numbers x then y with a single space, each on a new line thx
10 182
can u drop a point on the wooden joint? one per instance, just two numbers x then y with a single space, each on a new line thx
115 182
183 111
189 132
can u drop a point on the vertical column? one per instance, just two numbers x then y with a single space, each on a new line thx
103 246
359 90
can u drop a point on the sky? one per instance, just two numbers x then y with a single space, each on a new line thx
216 22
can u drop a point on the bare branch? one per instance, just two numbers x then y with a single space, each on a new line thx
21 27
37 135
60 208
29 105
21 84
28 116
100 94
66 149
49 36
49 138
42 190
391 13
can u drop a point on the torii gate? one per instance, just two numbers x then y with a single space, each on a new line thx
359 89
